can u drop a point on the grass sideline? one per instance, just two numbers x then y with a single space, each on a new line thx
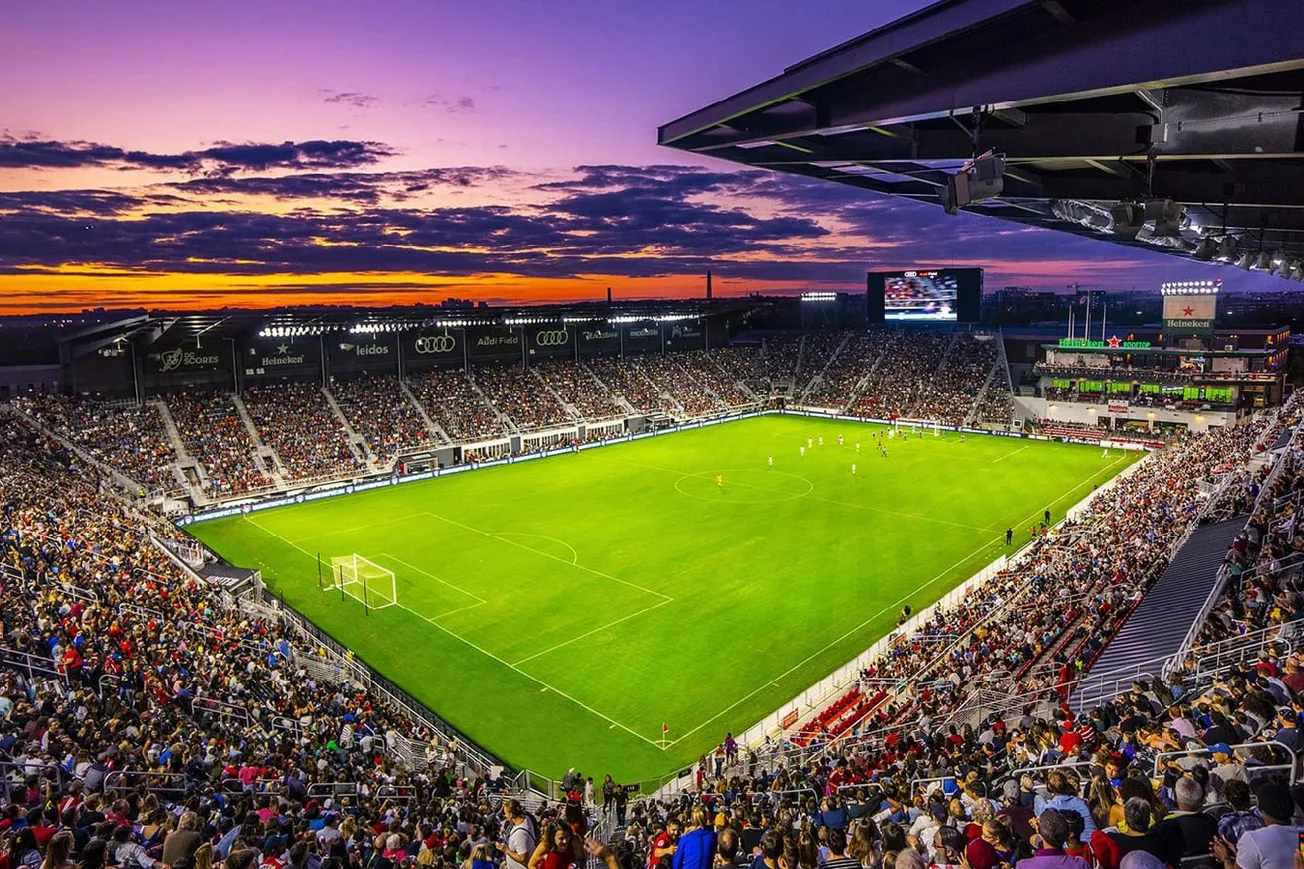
560 611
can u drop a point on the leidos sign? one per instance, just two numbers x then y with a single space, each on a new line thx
366 349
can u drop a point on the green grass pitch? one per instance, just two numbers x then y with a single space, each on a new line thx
559 611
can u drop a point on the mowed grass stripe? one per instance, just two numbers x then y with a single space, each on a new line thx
646 603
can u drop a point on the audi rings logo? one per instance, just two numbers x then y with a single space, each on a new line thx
436 344
554 338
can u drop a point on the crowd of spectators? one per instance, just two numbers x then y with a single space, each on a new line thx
162 726
743 363
213 433
576 386
782 354
950 394
124 436
901 379
844 373
377 409
525 398
817 351
456 405
147 722
717 381
677 377
928 778
297 421
626 378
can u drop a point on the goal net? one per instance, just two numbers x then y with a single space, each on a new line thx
364 581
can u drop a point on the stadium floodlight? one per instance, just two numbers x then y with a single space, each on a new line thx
1084 213
1207 249
979 179
1168 216
1263 263
1228 249
1129 217
819 297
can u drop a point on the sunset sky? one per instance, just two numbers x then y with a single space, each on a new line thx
155 154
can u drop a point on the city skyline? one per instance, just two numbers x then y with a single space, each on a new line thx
259 156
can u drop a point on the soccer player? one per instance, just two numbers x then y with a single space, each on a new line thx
1104 454
771 461
809 442
882 451
1009 536
821 441
839 440
719 481
857 447
853 469
803 452
961 437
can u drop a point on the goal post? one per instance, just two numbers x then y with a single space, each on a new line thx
355 576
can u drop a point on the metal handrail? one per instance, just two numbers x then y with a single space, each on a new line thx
1292 767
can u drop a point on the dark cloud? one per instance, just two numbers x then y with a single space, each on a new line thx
631 221
223 158
351 98
455 105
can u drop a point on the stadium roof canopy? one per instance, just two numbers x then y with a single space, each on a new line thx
1092 102
155 326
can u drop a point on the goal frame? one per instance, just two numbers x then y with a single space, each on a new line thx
364 580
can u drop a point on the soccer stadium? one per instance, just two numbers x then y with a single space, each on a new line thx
856 579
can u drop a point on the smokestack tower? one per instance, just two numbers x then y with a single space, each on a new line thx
708 285
608 295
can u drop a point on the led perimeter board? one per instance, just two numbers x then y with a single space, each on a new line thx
928 295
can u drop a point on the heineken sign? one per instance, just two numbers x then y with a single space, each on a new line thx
1112 344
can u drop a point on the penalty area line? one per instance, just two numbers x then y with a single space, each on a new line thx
665 597
544 685
611 624
478 600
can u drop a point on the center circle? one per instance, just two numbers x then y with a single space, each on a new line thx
744 485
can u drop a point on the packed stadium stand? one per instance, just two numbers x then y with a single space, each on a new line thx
522 397
211 430
172 720
298 423
289 433
576 386
456 405
377 408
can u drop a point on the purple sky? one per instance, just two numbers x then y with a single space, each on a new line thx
409 150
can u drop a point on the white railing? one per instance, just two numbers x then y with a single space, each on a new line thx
1290 767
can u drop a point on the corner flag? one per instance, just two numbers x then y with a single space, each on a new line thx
665 728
